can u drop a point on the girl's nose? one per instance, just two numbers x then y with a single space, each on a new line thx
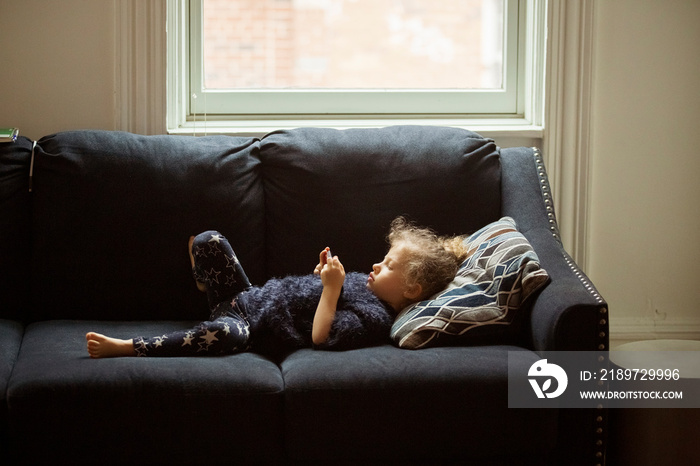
375 268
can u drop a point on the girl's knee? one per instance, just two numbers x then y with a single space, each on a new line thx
206 237
211 244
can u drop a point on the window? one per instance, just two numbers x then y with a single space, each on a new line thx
346 62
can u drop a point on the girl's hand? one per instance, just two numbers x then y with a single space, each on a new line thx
333 275
322 260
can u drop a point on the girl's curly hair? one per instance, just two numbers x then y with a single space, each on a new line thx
431 260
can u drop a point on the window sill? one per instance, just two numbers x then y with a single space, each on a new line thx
487 127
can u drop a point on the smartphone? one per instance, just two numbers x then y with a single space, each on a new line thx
9 134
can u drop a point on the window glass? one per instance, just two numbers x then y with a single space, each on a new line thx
353 44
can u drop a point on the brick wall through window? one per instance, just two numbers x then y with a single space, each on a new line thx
354 44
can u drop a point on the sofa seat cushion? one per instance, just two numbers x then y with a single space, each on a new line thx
411 406
161 410
10 341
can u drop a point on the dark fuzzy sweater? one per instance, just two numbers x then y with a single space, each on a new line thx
281 314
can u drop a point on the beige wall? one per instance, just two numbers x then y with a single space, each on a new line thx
645 227
57 72
56 65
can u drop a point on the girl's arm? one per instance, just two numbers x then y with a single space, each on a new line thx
332 276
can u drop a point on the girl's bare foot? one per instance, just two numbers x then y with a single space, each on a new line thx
100 346
200 286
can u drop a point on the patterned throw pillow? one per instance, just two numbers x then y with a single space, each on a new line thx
501 271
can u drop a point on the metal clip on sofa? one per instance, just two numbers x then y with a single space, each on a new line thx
100 244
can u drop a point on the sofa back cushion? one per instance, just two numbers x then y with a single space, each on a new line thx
342 189
15 227
113 213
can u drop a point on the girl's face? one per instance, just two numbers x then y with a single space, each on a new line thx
387 279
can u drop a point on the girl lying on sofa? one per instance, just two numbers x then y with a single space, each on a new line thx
338 311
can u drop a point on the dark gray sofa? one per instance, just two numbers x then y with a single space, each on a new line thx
99 244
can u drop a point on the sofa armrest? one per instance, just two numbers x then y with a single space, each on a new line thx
569 314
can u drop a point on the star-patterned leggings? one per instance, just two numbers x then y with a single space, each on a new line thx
227 330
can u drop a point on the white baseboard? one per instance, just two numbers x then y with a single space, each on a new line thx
627 329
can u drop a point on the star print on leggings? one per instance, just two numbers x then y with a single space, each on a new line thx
214 243
158 341
187 339
209 339
231 262
243 329
212 275
140 347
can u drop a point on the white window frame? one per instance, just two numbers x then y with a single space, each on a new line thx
517 110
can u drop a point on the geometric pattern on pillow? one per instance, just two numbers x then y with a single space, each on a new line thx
500 272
